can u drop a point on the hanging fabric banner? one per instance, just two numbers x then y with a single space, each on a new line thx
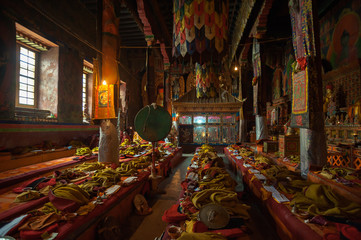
256 59
190 34
255 97
307 111
304 95
205 80
202 21
191 47
243 15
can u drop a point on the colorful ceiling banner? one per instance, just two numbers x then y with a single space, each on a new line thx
206 80
199 26
241 21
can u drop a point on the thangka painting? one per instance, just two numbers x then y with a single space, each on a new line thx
340 34
104 97
300 95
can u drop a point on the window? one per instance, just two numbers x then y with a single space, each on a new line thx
215 128
87 90
36 77
27 77
199 119
185 120
84 91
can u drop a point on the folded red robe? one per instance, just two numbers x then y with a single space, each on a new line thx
349 231
51 182
172 215
63 204
30 185
30 235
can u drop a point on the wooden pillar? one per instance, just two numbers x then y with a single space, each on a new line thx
307 97
110 43
99 34
259 92
166 95
108 142
149 75
243 78
109 135
242 121
7 68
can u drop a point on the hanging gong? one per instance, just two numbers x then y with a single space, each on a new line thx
153 123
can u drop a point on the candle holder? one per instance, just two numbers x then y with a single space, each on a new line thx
355 136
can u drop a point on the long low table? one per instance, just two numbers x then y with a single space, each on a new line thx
289 226
14 176
349 192
119 205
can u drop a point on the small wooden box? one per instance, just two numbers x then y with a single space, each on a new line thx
289 145
270 146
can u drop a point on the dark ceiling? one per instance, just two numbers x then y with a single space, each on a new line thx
161 14
131 28
130 31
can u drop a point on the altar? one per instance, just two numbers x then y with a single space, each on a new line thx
208 120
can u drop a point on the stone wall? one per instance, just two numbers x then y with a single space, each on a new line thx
72 27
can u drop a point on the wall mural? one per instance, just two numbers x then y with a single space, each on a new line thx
340 34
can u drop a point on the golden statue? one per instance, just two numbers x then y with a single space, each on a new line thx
328 97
